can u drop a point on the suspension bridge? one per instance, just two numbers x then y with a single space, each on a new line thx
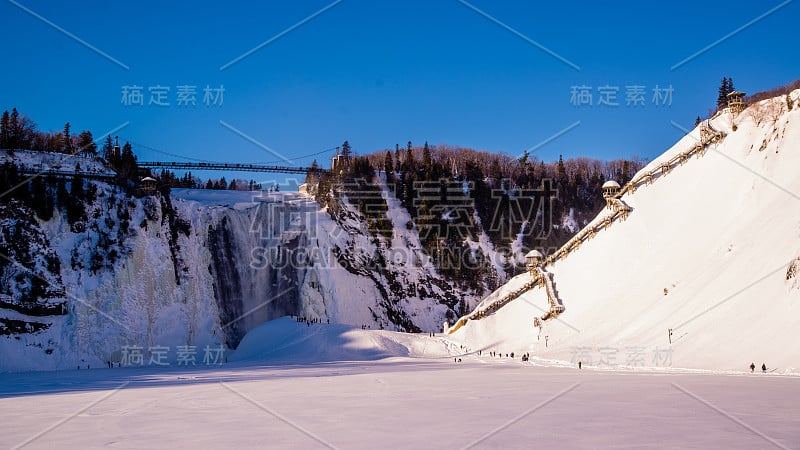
241 167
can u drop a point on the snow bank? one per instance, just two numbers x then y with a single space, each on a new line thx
286 340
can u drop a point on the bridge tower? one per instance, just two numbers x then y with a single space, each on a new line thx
341 160
337 160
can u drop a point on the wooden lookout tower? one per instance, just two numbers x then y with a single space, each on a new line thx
148 185
610 191
736 102
534 259
705 132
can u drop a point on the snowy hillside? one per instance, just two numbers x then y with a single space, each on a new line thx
46 161
710 250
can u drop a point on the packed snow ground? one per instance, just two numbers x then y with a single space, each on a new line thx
370 389
707 251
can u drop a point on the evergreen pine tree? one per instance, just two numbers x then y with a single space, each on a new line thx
397 156
108 150
14 129
388 167
725 89
67 139
5 122
312 176
561 171
127 163
409 165
346 151
86 143
523 160
410 157
722 97
427 160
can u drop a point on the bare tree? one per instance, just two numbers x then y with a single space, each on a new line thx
758 111
775 107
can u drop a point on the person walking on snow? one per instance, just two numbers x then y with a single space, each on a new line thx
764 367
752 367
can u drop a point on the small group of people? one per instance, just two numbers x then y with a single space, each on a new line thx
365 327
308 321
109 364
763 367
525 356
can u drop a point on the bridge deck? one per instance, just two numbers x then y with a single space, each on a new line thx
228 166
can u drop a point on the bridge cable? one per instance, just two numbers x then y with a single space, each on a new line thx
216 162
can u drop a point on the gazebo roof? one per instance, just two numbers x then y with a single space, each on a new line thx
610 184
534 254
736 94
148 179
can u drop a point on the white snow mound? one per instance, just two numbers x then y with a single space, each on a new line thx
285 340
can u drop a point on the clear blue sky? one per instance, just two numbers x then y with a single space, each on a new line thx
379 73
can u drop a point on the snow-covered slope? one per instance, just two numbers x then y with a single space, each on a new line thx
710 250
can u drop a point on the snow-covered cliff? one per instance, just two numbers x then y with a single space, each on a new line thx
198 270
